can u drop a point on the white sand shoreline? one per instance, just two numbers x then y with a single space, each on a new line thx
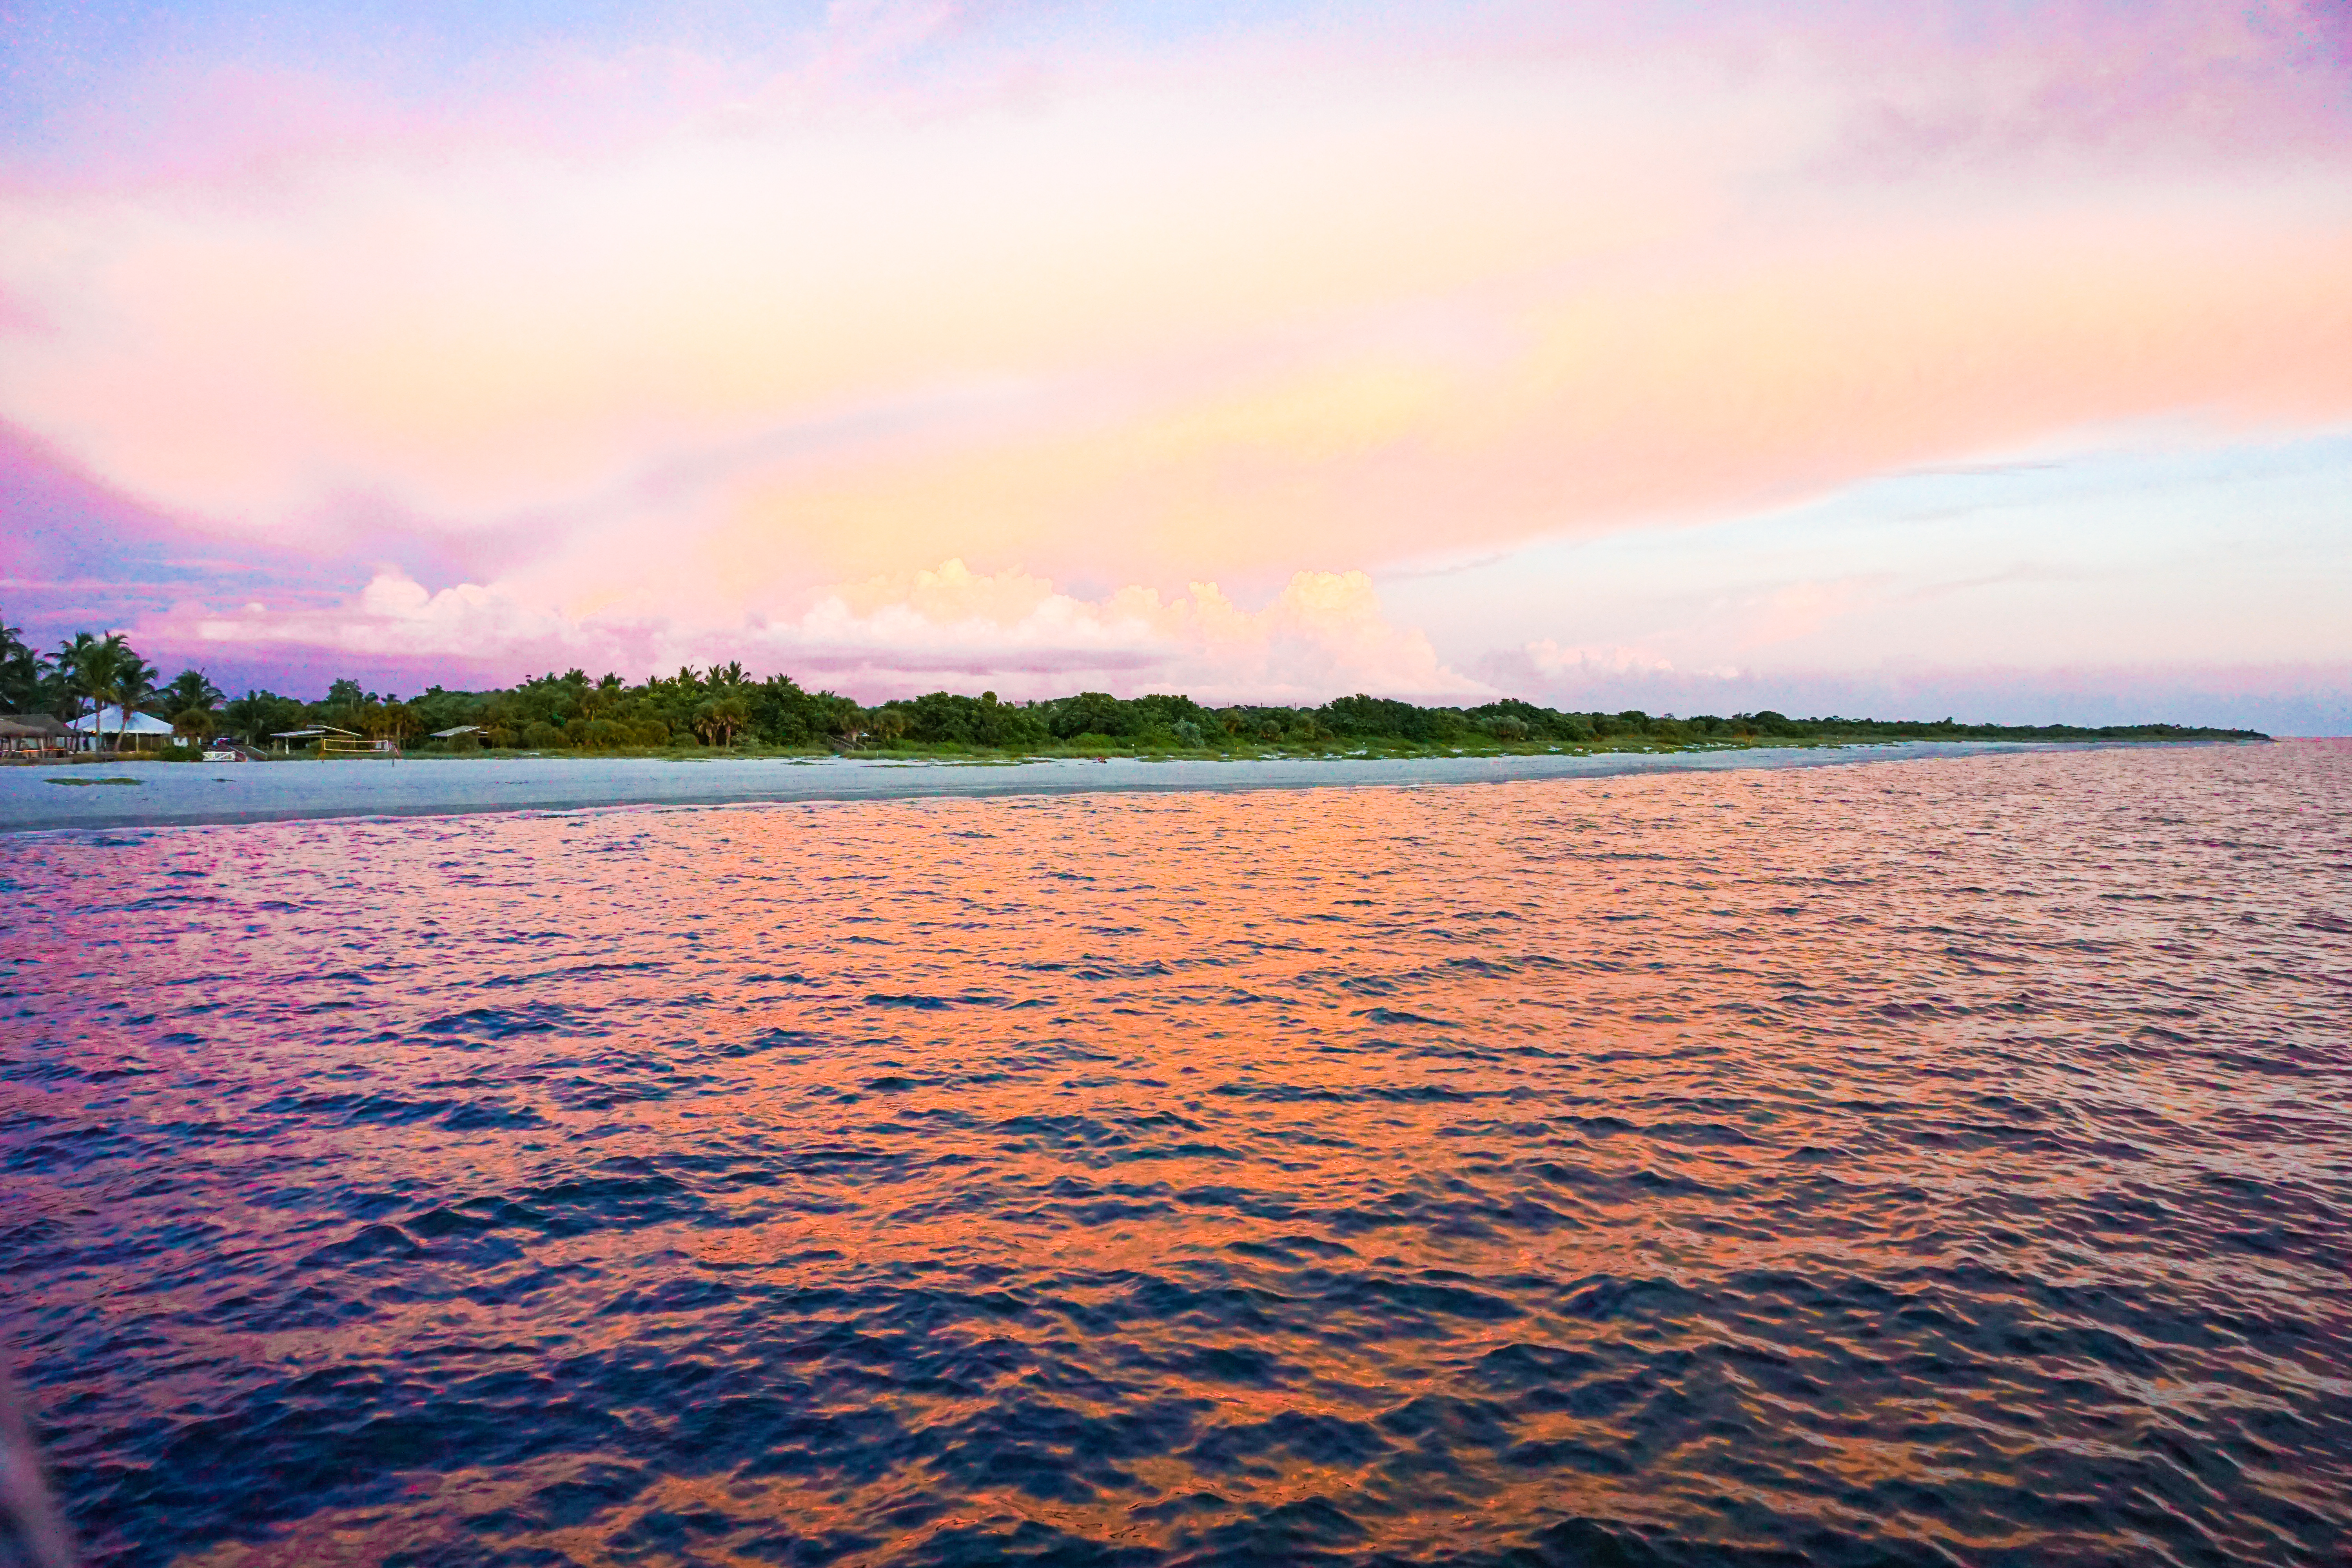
185 794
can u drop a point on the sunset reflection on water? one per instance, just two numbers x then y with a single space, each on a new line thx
1892 1161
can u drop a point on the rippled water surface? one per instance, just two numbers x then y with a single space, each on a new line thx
1909 1162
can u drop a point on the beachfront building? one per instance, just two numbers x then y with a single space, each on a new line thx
310 735
108 727
34 735
333 743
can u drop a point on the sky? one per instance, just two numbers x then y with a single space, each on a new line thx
1982 360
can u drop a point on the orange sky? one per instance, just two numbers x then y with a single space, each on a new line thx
1114 313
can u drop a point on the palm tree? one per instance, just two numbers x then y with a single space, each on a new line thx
94 667
135 683
257 714
68 659
189 701
392 721
720 717
111 674
191 688
22 669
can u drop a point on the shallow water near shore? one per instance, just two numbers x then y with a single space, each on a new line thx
1932 1162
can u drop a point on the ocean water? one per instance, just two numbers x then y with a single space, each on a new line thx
1932 1163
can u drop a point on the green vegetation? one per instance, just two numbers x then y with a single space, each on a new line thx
87 673
726 709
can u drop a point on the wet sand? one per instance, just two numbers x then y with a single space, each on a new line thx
173 795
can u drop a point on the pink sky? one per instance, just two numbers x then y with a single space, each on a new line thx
911 345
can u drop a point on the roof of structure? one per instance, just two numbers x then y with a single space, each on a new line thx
110 720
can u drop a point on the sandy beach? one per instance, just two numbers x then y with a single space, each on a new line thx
181 794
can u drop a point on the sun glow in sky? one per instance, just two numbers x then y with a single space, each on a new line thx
1992 358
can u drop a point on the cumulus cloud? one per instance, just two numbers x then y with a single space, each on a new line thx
1323 634
1547 656
1604 677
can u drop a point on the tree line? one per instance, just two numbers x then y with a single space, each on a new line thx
90 673
727 707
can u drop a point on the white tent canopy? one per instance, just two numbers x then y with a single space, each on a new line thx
108 721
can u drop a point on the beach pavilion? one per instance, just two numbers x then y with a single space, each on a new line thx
332 742
32 733
110 723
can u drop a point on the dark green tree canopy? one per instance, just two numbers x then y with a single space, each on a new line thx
727 707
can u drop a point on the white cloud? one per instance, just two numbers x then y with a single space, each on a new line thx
1323 636
1549 657
1554 662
